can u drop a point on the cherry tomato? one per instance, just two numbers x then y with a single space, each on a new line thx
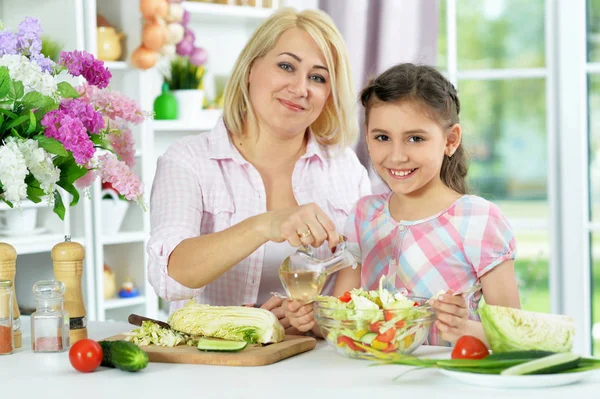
349 342
389 315
387 336
346 297
85 355
469 347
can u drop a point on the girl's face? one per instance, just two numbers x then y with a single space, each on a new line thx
407 147
290 85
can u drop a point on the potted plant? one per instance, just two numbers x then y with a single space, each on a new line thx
185 82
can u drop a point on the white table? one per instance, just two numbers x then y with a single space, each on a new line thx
320 373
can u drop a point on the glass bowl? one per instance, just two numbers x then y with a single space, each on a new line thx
364 334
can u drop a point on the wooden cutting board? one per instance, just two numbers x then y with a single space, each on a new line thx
252 355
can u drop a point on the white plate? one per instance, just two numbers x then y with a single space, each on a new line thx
516 381
19 233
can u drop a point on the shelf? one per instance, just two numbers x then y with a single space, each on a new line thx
116 65
117 303
37 243
206 120
223 13
25 204
124 238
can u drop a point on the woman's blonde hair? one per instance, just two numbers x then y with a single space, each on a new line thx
337 123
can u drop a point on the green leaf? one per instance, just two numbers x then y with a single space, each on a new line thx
71 171
71 189
18 89
34 190
97 139
59 207
33 100
67 91
15 122
4 82
32 123
51 145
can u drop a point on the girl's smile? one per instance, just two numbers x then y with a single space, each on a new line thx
401 174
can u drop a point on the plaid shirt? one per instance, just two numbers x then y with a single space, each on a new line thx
204 185
449 250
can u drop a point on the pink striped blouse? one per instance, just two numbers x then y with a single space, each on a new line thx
204 185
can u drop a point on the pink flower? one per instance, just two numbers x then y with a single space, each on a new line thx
123 145
121 177
81 63
71 133
86 180
112 104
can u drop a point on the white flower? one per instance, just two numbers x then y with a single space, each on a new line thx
30 74
40 164
13 170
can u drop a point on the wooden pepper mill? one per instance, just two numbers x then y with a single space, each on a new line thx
67 258
8 262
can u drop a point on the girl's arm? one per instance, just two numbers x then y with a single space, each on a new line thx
499 286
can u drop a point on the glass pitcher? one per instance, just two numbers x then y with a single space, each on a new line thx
303 275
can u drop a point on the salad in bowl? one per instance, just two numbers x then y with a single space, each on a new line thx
361 323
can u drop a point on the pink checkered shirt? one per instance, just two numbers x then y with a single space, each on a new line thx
204 185
449 250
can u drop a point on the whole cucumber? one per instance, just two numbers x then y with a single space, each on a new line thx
123 355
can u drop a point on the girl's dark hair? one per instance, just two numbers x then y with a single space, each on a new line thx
423 84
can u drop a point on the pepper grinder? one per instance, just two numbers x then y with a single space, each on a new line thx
8 261
67 258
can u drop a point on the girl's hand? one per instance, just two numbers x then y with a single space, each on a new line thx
304 225
452 316
299 315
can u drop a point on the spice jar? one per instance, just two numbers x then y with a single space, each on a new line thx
6 317
50 322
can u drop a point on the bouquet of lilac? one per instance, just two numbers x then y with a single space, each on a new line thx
54 135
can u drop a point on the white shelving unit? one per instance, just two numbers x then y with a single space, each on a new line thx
223 31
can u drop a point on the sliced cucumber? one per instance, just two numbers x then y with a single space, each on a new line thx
368 338
220 345
519 355
545 365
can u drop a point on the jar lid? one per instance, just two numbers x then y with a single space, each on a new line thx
5 284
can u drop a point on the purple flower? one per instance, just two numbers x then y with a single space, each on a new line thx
8 42
45 63
81 63
29 36
71 133
85 112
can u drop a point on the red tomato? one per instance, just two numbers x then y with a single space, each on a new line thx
387 336
346 297
390 348
389 315
469 347
85 355
342 339
374 327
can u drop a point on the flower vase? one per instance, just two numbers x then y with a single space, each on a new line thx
189 103
113 211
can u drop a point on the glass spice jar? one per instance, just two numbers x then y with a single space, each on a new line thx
50 322
6 317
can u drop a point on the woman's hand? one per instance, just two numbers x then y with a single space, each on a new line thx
300 316
275 306
452 316
304 225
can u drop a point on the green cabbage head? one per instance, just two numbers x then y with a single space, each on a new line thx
233 323
509 329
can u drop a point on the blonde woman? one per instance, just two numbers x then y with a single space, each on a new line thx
228 206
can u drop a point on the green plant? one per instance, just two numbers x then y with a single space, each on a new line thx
183 75
51 48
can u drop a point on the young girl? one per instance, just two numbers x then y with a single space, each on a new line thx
428 234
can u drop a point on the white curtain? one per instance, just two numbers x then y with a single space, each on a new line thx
379 34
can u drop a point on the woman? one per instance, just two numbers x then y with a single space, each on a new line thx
227 207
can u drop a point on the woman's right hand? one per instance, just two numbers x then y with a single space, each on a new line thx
299 315
304 225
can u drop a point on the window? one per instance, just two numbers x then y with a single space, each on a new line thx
497 59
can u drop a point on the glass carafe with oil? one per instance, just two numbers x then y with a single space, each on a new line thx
303 275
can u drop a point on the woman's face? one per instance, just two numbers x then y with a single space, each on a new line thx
290 85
